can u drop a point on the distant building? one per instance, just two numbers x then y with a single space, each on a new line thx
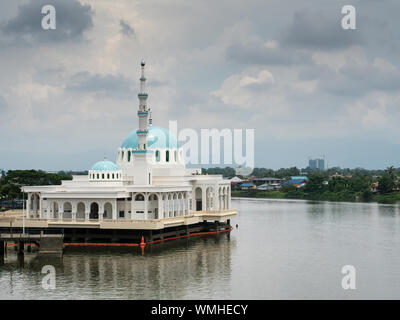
247 186
295 181
317 164
235 180
299 178
260 181
235 183
269 186
337 175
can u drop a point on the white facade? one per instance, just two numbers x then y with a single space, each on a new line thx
148 181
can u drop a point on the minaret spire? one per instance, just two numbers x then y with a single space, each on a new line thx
143 112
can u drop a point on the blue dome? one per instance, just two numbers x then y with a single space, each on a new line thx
157 138
105 165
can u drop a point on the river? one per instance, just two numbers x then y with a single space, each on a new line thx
281 249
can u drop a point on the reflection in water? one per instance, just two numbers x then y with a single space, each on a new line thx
166 271
283 249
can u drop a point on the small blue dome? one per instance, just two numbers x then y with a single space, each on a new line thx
157 138
105 165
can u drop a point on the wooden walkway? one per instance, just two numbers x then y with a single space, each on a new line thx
48 243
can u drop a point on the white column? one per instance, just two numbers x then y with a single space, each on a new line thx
216 198
182 204
133 207
187 203
40 206
173 205
203 198
160 211
87 212
74 208
229 198
169 205
194 199
114 210
178 205
146 215
27 207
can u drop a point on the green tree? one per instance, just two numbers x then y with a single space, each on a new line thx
315 183
387 182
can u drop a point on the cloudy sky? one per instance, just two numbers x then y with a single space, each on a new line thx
283 68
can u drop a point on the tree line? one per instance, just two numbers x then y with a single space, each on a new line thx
357 184
10 184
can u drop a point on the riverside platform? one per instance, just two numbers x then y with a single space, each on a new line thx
120 230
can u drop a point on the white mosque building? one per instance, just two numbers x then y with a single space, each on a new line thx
148 187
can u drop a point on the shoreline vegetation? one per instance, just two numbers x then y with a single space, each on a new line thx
391 198
334 184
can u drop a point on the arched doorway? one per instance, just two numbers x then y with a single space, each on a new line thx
153 206
94 211
67 210
199 201
107 211
80 213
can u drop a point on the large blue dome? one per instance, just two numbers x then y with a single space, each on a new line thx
105 165
157 138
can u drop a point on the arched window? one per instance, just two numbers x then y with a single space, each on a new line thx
102 175
108 176
175 155
113 175
158 155
122 155
129 156
98 177
139 197
167 156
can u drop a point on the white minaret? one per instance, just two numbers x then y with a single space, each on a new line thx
143 112
141 168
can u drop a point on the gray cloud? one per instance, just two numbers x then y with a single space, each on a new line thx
126 29
353 79
72 19
105 85
188 59
319 30
3 105
256 53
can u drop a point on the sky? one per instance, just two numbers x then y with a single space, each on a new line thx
287 69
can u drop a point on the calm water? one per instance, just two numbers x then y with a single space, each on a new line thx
281 250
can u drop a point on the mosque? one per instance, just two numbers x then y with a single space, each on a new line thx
148 190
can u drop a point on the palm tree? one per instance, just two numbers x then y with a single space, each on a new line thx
390 173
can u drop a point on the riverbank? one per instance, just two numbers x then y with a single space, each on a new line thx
390 198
